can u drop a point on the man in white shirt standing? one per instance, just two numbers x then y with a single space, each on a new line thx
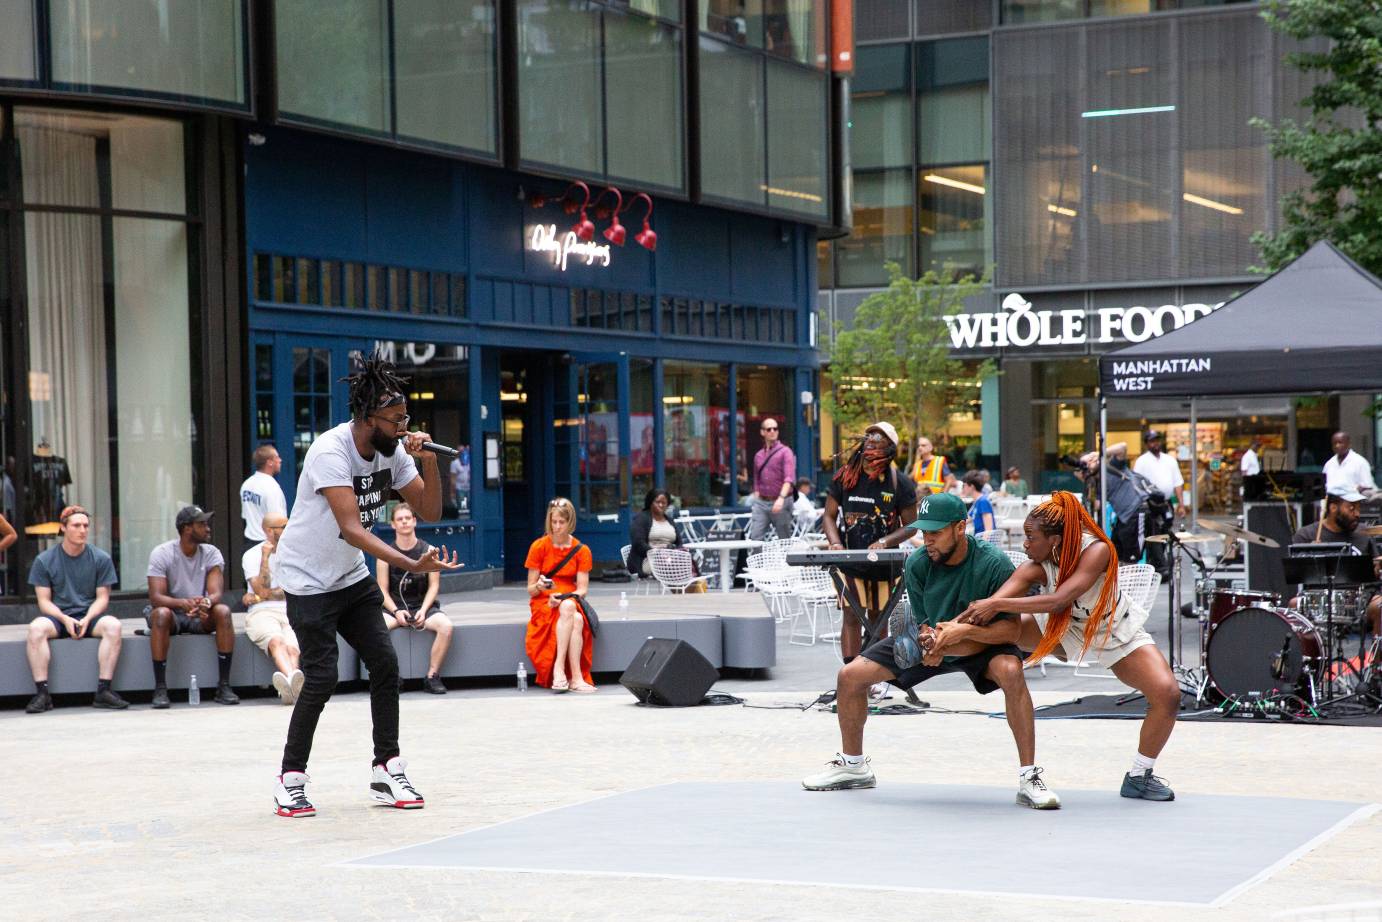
1162 470
260 494
1250 464
1347 470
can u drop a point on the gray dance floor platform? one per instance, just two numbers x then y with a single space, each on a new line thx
1200 850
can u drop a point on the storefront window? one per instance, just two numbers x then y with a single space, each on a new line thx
763 393
1015 11
881 107
111 361
445 71
953 114
17 40
337 74
643 100
560 112
955 220
797 140
192 48
439 403
739 21
732 123
793 29
943 17
883 213
695 425
642 429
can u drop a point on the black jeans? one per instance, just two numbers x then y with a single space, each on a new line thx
316 619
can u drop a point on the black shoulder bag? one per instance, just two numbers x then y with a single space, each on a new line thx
591 618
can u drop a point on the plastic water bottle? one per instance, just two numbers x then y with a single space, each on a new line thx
623 606
522 676
194 694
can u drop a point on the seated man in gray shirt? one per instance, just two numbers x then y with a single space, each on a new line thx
72 585
186 578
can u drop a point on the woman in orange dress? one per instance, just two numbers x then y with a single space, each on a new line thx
559 641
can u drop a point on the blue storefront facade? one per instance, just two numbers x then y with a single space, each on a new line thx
207 211
596 379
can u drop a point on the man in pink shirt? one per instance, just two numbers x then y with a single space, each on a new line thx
774 479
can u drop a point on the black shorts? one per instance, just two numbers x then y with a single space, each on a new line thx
975 666
64 633
182 623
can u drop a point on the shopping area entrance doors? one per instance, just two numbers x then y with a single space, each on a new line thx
565 421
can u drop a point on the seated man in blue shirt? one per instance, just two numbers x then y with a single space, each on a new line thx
72 583
953 570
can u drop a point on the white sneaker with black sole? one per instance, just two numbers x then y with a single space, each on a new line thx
290 796
392 788
840 775
1033 792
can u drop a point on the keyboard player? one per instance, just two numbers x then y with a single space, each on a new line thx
869 505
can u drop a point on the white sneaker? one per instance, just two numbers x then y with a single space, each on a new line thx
284 688
392 787
290 796
878 691
1033 792
295 683
839 775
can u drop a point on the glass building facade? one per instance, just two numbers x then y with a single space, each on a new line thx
1096 159
182 280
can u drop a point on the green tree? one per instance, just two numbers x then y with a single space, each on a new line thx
894 362
1340 142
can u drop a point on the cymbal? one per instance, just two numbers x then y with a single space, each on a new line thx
1184 537
1371 530
1237 534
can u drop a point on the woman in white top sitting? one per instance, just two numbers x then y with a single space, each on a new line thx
1081 614
651 528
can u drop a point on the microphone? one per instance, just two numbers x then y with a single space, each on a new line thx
441 449
1281 660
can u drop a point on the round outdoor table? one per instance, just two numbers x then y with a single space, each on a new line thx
726 558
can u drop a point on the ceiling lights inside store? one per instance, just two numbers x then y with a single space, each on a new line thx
954 183
1144 110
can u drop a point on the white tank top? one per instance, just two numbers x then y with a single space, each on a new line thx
1081 607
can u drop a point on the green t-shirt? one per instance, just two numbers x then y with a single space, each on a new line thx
938 592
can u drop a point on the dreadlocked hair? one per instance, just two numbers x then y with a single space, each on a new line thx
372 384
1064 515
852 470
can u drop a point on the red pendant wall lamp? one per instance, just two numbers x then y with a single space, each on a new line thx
581 204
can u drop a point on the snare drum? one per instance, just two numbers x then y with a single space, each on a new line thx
1261 651
1205 589
1224 602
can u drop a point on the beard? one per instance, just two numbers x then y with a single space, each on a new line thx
1347 524
384 444
939 556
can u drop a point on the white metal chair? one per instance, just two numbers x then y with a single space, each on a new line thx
1139 582
814 590
995 536
1017 557
672 568
1009 508
643 585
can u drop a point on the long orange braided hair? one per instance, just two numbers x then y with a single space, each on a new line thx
1063 514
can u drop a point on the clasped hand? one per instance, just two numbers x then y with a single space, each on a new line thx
979 612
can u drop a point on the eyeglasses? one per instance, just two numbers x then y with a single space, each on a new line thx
400 422
768 429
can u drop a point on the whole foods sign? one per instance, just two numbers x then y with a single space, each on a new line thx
1018 325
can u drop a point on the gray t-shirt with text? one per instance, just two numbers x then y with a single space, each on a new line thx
313 558
186 575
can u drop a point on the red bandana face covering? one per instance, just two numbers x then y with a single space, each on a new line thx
876 461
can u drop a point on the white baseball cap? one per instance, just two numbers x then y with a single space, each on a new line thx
887 429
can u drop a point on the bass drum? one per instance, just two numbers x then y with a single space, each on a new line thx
1261 651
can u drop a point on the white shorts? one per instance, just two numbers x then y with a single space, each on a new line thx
267 620
1128 634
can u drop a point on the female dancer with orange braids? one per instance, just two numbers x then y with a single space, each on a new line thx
1075 565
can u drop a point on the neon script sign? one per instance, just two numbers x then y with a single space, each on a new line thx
544 239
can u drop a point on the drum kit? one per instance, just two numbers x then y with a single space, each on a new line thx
1263 655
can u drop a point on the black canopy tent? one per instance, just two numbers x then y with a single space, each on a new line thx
1314 326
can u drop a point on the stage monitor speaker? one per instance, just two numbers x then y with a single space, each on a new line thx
669 673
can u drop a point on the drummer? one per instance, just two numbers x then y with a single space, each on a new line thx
1340 526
